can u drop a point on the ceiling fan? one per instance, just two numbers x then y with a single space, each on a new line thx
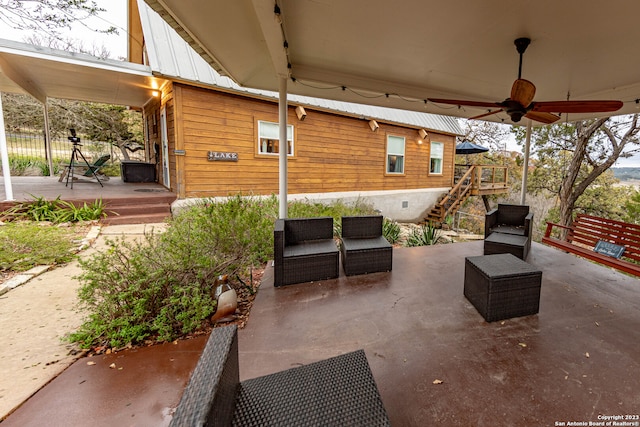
520 103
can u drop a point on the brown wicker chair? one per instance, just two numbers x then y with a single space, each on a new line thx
337 391
507 229
304 251
364 248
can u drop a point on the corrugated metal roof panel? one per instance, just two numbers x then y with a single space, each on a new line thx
172 57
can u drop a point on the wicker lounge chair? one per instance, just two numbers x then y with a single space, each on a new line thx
304 251
338 391
507 229
364 248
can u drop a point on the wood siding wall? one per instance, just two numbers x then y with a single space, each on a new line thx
332 153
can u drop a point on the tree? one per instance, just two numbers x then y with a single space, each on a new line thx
571 157
68 44
48 16
98 122
494 136
633 208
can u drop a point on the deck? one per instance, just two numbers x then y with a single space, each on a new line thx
575 360
26 187
125 202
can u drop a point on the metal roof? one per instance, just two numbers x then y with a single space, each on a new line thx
171 57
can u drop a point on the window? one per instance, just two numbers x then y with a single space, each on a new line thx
269 138
437 154
395 154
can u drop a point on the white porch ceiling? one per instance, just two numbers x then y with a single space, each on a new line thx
419 49
44 72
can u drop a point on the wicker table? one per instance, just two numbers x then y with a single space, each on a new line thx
501 243
501 286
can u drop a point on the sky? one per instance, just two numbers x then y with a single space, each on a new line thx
116 15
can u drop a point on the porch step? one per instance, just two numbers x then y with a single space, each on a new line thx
138 210
135 219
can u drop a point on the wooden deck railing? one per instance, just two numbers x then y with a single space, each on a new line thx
470 180
486 179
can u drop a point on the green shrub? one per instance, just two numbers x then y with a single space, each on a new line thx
425 235
336 209
161 287
56 211
19 164
391 230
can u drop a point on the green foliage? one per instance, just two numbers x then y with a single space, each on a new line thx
134 290
425 235
391 230
572 162
633 208
56 211
336 210
161 287
24 245
18 165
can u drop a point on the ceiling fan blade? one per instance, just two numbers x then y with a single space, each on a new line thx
485 114
577 106
542 117
465 103
523 92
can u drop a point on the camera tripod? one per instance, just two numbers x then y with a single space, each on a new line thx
76 154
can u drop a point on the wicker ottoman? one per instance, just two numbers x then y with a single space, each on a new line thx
502 286
501 243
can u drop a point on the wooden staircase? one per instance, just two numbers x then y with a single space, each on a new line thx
451 202
471 180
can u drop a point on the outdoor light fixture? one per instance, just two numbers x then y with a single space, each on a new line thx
423 134
301 113
373 125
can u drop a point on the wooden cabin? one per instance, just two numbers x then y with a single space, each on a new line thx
210 138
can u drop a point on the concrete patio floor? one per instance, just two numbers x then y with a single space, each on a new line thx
576 361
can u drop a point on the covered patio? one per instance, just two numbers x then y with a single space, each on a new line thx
573 362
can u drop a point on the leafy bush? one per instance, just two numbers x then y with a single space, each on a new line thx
24 245
425 235
161 287
18 165
391 230
336 209
56 211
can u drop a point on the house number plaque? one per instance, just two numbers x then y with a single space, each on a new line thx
222 156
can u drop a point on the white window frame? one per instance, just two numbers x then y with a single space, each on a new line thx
395 151
436 154
269 132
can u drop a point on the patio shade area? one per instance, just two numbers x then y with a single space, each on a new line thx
575 360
